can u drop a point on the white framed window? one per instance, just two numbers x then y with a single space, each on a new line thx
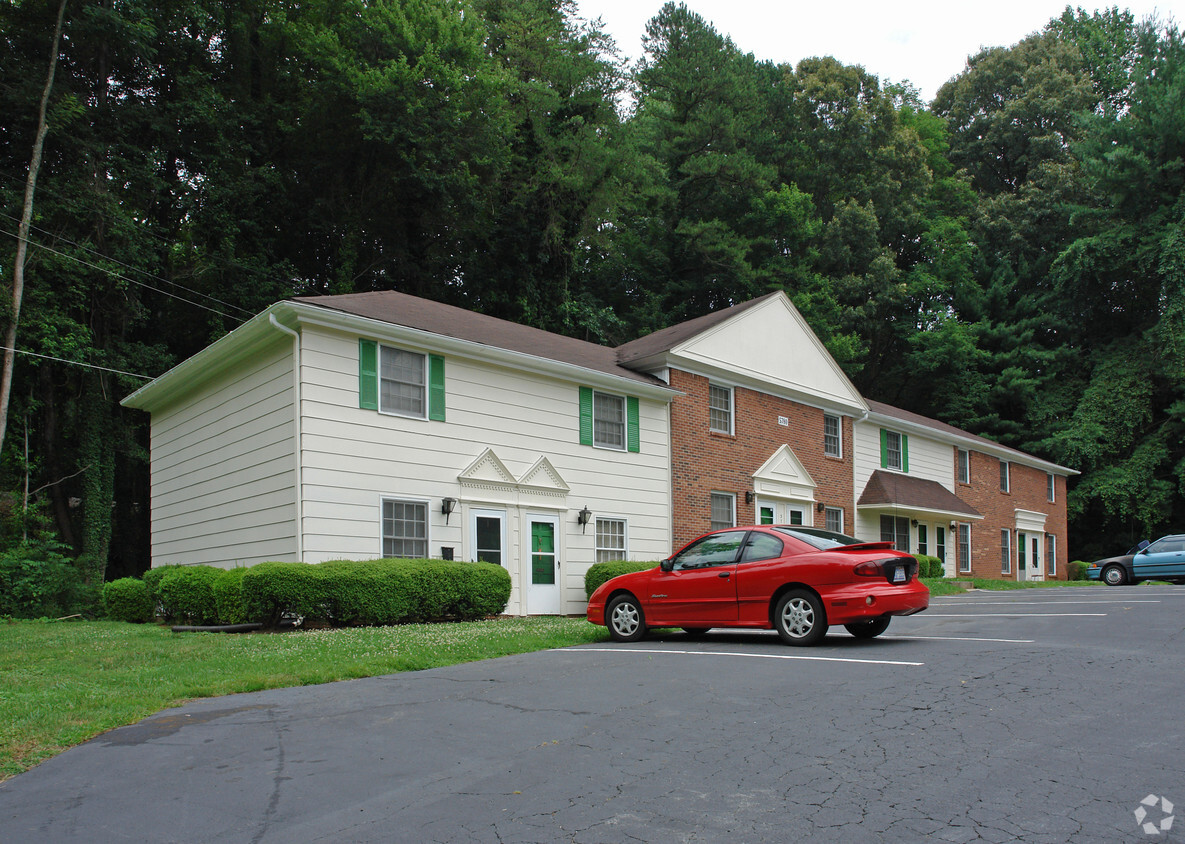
720 412
964 466
405 528
402 380
1050 486
724 512
893 450
895 529
1004 476
609 421
964 547
923 540
832 436
833 519
1051 554
610 540
1005 551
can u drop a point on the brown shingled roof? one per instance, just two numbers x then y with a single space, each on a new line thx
890 488
449 321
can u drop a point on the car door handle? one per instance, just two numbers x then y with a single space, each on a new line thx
723 574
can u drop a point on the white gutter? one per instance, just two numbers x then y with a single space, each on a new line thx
296 436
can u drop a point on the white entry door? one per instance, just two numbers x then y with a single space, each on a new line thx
770 512
543 566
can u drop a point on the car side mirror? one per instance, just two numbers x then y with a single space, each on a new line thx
667 565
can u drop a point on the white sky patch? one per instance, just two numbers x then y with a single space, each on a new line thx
922 41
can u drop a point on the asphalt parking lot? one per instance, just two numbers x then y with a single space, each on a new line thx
1036 716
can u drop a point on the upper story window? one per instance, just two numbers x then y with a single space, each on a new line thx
609 421
964 466
1049 487
720 409
832 439
400 382
1004 479
894 450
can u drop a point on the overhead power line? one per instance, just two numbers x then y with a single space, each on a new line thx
76 363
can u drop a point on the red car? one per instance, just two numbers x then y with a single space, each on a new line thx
796 580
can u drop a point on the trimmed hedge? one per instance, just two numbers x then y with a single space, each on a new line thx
600 573
930 566
228 597
127 599
374 592
152 579
1077 570
187 593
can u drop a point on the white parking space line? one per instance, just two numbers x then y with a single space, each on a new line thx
1017 614
1006 602
966 639
652 652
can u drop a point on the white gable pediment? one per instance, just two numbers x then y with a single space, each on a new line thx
783 475
487 469
543 477
771 344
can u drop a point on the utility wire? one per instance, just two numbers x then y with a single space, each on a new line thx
76 363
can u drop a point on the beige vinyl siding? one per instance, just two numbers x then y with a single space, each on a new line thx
223 469
353 458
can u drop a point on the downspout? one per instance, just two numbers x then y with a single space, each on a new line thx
296 415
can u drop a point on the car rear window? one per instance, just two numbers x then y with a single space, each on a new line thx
819 538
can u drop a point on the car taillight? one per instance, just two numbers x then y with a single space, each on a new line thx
873 568
894 569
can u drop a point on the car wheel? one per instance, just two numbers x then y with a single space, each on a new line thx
868 629
625 619
1114 576
799 618
696 631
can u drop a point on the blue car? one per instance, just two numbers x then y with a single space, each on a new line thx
1164 559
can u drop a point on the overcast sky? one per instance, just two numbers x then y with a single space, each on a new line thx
922 41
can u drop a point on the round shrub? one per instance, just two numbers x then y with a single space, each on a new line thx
929 566
228 597
127 599
1077 570
187 593
600 573
152 579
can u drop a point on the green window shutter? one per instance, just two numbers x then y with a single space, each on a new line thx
436 388
586 416
632 438
884 449
904 453
368 375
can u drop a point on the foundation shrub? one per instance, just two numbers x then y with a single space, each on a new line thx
127 599
929 566
1077 570
228 596
187 593
600 573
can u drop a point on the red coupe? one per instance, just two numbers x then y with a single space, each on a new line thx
793 579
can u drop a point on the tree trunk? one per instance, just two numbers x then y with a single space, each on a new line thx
22 239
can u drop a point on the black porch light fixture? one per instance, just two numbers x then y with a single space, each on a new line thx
446 507
583 518
820 507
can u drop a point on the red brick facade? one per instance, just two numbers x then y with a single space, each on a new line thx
1027 490
704 462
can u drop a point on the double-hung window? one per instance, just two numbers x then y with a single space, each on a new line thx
894 451
1051 554
608 420
964 466
610 542
1005 552
964 539
832 439
834 519
400 382
405 529
895 529
1004 485
1049 487
720 409
723 510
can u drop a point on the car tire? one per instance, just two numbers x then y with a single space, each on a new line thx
625 619
799 618
1114 576
696 631
868 629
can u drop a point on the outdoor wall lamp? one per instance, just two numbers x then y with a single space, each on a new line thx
914 522
583 517
748 496
820 507
446 507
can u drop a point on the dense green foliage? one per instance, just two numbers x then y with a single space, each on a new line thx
599 573
126 599
37 581
929 566
187 594
1008 258
374 592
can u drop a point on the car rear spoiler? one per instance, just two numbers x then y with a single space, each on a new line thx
886 545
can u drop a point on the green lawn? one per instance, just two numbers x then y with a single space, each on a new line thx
62 683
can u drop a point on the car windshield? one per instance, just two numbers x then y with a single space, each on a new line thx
819 538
